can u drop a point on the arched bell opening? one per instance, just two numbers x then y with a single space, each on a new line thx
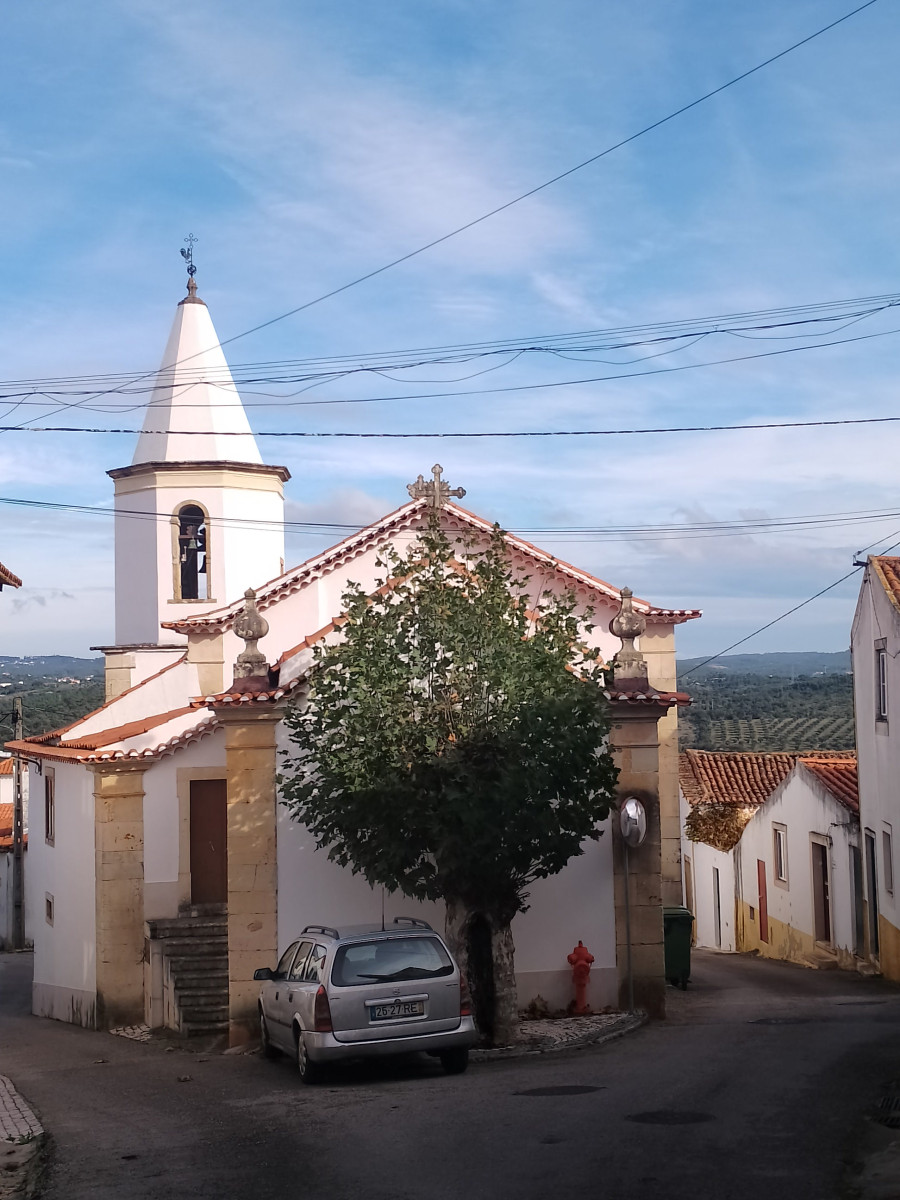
191 553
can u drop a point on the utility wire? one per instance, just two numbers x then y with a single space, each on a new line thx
527 433
527 194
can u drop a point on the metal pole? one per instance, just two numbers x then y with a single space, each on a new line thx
628 967
18 930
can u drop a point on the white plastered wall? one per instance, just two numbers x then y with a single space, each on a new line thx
167 821
704 861
808 812
878 742
65 984
576 904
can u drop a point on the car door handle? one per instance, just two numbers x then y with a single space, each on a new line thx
290 997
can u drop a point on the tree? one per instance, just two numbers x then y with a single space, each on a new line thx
453 747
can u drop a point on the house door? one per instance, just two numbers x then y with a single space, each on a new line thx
689 897
872 892
763 901
856 881
717 907
209 842
821 893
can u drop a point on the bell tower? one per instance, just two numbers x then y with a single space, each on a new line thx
199 516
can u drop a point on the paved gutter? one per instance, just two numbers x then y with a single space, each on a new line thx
22 1142
569 1033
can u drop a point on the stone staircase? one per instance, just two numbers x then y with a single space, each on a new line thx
194 952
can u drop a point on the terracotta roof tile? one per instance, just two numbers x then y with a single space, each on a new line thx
6 828
888 571
7 577
731 777
85 754
6 766
648 698
838 776
119 733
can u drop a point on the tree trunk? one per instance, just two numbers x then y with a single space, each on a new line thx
483 946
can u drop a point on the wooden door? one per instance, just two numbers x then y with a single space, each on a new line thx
821 893
763 901
209 842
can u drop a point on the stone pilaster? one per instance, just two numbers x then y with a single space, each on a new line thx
634 742
250 757
119 892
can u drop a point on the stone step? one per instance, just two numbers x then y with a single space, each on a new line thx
201 995
203 1012
187 927
201 1028
216 943
182 965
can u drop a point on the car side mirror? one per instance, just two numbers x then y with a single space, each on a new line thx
264 973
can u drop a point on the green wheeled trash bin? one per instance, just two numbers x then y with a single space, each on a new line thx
678 924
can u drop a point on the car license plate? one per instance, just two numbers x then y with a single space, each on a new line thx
396 1008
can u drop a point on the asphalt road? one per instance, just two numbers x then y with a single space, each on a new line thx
753 1088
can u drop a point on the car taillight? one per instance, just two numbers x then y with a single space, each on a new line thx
322 1013
465 1000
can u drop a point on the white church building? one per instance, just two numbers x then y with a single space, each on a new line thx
162 869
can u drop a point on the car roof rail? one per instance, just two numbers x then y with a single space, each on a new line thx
414 921
328 930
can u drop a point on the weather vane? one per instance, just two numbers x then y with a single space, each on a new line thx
188 255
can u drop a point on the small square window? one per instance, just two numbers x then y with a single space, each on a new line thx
48 908
50 805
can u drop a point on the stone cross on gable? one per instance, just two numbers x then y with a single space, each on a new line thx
435 490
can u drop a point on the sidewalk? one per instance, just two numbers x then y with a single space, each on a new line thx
567 1033
21 1141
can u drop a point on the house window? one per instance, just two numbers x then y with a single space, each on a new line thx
48 908
191 573
888 856
780 859
881 696
49 805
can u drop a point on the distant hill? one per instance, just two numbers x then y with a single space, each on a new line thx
786 664
55 689
54 666
734 711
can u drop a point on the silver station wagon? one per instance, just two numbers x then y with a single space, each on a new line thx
362 991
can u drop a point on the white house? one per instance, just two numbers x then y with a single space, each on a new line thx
154 885
720 792
875 647
772 854
797 868
7 903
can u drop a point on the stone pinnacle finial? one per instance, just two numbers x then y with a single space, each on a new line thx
250 627
435 490
629 664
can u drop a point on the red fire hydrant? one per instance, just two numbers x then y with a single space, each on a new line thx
580 960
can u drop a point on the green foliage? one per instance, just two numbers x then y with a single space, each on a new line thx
48 705
448 750
758 712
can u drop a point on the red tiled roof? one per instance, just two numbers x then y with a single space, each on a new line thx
838 775
648 698
76 753
888 571
358 543
106 737
6 828
7 577
6 766
731 777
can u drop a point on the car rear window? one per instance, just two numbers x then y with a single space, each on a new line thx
390 960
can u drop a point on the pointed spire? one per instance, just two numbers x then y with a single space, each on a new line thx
195 392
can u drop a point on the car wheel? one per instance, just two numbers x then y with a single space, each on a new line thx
310 1072
265 1042
455 1061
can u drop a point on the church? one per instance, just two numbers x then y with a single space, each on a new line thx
162 868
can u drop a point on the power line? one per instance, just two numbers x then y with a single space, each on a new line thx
522 387
527 433
653 125
796 607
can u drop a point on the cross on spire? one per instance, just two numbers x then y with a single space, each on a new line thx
435 490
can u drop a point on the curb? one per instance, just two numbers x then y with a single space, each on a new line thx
22 1144
597 1037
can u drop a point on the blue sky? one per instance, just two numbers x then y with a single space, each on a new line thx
306 144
